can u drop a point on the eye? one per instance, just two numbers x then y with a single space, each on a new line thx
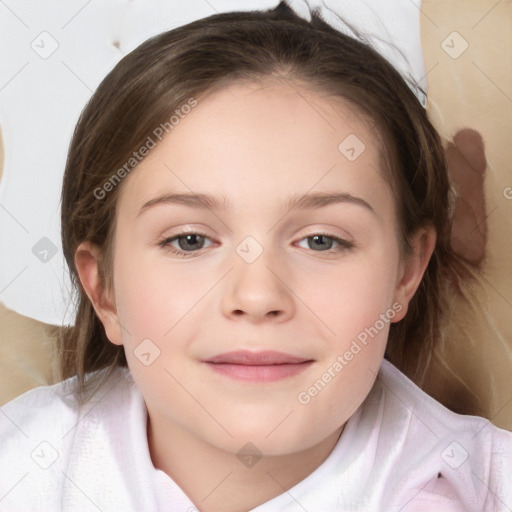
187 240
192 242
325 242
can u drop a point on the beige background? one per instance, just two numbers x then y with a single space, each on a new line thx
473 374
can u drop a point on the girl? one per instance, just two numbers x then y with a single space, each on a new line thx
255 212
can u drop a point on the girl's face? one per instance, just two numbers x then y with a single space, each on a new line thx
291 247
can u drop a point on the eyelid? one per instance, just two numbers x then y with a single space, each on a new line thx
165 242
331 232
185 232
344 243
346 236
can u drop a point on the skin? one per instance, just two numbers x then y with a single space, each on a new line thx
257 144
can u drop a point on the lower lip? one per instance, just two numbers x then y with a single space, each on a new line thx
267 373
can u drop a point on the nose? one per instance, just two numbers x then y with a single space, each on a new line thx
259 291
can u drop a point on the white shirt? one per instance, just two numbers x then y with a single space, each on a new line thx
387 459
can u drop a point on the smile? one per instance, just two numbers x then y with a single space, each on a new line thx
268 366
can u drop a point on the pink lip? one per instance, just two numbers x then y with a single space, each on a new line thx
265 366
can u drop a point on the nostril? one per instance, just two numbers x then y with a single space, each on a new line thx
116 43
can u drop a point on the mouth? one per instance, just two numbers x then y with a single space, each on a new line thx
267 366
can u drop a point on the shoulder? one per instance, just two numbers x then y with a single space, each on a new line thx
24 414
404 395
439 452
56 406
41 430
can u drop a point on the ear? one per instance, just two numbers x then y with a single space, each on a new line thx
88 263
413 268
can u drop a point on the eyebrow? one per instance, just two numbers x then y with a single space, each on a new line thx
315 200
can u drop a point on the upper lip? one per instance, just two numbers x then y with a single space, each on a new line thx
263 358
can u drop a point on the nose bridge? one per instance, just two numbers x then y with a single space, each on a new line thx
256 287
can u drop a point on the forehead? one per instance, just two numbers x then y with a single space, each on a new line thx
272 102
273 134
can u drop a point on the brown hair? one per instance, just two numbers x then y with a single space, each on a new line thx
166 71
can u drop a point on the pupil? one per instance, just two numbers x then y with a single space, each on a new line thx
317 239
321 237
188 237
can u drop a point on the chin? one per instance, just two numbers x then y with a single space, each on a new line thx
253 441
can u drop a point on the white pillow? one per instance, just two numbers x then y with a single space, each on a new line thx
53 55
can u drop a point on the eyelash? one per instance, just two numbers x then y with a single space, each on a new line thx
165 243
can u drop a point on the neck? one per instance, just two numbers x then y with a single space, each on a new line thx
217 480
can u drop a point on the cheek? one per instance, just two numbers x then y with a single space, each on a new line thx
161 299
358 314
352 295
